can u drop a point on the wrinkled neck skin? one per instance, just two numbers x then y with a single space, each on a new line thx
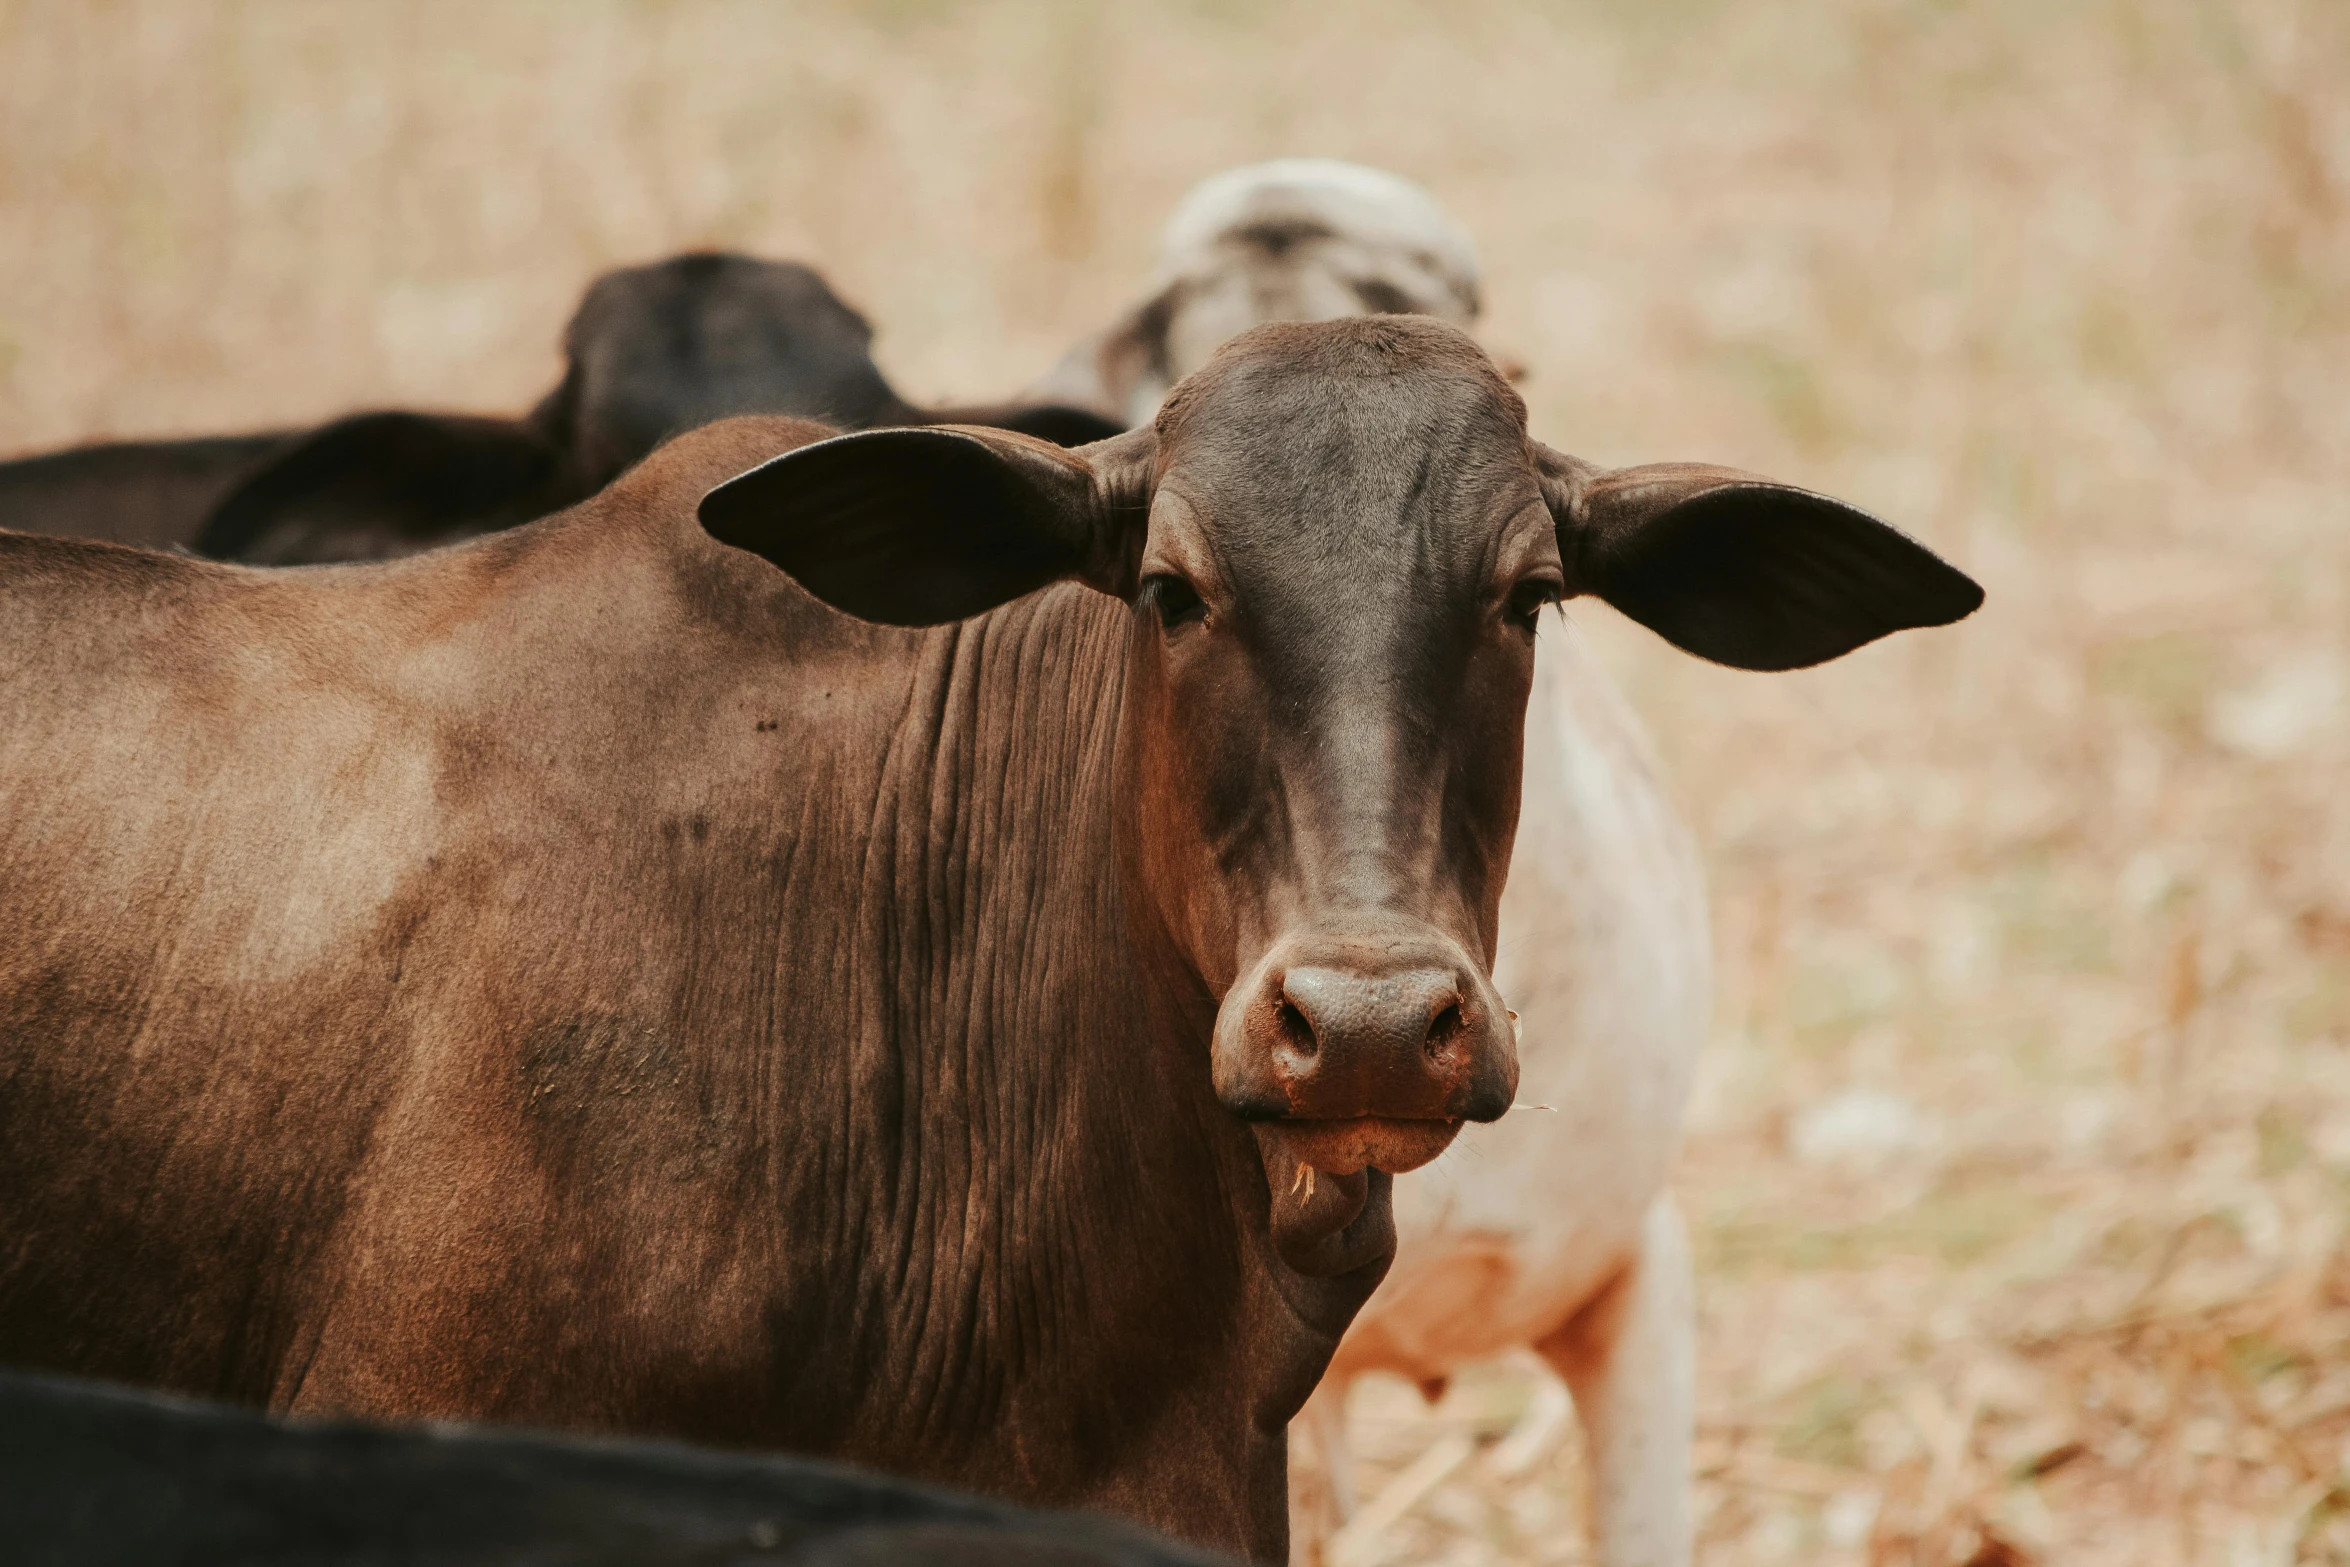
1139 1218
708 1016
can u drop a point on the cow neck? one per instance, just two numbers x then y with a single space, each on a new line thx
1020 1188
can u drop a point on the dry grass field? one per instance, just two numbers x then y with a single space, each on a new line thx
2020 1164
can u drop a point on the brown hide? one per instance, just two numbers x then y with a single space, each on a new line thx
525 983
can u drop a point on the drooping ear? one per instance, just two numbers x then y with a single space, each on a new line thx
384 484
1740 569
922 526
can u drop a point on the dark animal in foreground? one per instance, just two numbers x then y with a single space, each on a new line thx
653 351
92 1476
585 979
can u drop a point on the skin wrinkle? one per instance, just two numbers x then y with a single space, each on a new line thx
917 1144
989 1129
954 1268
1049 966
958 1370
881 1074
1000 819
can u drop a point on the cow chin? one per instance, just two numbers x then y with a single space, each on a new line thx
1369 1142
1326 1226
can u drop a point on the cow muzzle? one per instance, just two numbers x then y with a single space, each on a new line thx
1364 1051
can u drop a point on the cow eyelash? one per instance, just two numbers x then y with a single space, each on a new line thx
1528 597
1176 600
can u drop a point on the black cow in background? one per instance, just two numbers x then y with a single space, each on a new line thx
653 351
92 1475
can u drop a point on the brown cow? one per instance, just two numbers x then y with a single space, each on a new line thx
581 978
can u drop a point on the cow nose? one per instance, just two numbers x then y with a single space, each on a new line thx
1387 1016
1365 1029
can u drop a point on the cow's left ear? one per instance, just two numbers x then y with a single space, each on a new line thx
1740 569
918 527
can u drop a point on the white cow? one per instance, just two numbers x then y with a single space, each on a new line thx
1554 1228
1301 239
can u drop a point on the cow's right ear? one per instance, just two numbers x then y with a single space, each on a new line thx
918 527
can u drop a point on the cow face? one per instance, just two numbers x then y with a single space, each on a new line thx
1334 544
1336 595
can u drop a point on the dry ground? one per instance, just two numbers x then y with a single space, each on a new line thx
2020 1162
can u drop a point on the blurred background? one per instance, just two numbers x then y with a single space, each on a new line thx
2020 1162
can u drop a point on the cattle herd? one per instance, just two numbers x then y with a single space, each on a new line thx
747 913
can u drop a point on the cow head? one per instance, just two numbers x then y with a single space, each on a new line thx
652 351
1297 239
1334 544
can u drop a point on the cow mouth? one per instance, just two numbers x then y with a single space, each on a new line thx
1366 1142
1326 1225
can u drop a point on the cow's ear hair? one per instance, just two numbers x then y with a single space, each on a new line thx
922 526
1740 569
384 483
1059 423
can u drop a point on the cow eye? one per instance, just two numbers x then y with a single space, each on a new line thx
1528 597
1176 600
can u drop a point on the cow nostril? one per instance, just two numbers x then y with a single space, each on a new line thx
1442 1027
1296 1030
